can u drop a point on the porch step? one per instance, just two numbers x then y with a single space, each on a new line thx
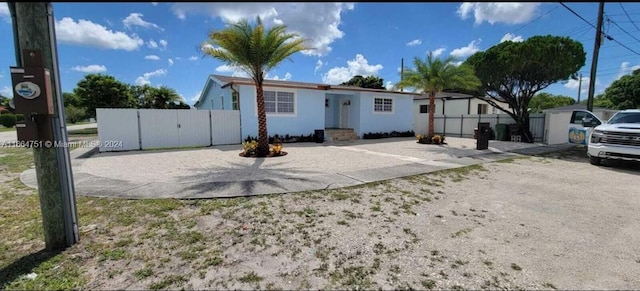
341 135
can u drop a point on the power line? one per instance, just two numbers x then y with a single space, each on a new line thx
536 19
576 14
627 14
614 23
604 34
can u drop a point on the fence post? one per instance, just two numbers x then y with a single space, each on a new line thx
444 130
210 130
139 131
461 123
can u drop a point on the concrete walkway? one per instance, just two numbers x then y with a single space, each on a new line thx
219 171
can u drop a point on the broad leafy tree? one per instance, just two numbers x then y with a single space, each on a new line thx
255 49
624 93
434 75
103 91
601 101
371 82
542 101
513 72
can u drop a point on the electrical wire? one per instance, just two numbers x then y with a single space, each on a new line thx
604 34
628 17
618 26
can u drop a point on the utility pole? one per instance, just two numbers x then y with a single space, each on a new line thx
33 29
579 88
594 61
401 72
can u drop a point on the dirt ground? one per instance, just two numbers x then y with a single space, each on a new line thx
534 223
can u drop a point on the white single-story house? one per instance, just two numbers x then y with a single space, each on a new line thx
451 104
298 108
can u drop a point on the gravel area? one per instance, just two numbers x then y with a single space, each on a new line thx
533 223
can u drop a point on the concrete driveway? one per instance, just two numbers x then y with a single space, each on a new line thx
219 171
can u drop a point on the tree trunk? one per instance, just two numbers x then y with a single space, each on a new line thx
523 125
432 111
263 137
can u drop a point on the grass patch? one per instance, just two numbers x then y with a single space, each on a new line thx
428 284
143 273
56 273
250 278
168 281
16 160
84 131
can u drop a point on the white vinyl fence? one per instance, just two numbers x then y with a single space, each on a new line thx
135 129
463 125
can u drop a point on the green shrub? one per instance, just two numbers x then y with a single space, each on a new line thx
8 120
74 114
19 117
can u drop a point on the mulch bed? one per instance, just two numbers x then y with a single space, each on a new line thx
270 155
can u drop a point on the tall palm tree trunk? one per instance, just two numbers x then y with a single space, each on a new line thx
432 111
263 137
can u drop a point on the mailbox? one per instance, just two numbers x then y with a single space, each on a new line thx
32 91
33 97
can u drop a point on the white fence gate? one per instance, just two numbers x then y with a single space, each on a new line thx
134 129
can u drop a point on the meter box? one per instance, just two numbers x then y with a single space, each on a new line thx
32 90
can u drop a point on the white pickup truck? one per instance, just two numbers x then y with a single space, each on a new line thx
618 138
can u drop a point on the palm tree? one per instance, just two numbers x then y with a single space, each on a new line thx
163 96
435 75
255 51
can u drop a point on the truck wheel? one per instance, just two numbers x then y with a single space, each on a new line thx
595 160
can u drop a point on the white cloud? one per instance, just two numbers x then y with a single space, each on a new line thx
87 33
163 43
135 19
170 62
154 3
414 42
144 79
177 58
388 85
626 69
152 57
7 92
511 37
438 52
319 65
322 29
286 77
152 44
193 58
574 84
492 12
466 51
195 97
90 69
4 11
358 66
235 71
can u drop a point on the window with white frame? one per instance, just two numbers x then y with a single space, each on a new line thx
383 105
279 102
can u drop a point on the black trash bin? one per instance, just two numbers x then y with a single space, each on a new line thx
319 136
484 134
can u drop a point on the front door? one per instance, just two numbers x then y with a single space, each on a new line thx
344 113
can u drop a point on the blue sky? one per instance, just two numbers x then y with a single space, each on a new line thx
159 43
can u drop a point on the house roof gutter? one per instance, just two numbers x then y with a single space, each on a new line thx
319 87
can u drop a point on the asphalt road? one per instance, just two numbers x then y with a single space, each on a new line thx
9 136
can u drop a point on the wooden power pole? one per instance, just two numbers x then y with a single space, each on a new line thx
33 29
594 60
579 88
